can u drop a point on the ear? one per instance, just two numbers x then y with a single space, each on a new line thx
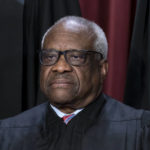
103 69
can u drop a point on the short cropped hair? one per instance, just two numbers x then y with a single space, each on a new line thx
100 44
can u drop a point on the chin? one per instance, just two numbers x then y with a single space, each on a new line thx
61 97
61 102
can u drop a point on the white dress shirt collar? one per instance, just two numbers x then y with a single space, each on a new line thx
62 114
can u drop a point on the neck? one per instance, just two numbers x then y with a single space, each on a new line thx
66 110
71 107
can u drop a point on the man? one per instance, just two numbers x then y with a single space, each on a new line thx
78 115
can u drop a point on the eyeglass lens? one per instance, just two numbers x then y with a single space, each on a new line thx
73 57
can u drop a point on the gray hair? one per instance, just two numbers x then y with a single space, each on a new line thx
100 44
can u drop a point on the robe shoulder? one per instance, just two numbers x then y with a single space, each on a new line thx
116 111
31 117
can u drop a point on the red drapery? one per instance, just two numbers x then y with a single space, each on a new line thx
116 17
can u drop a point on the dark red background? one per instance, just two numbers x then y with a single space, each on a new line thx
116 17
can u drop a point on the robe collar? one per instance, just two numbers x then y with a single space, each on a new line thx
82 120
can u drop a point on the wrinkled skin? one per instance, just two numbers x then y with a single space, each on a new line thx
71 87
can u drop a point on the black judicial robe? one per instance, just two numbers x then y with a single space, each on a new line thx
105 124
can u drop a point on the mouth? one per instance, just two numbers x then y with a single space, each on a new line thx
61 83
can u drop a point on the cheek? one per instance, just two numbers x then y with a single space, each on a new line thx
84 75
88 77
44 73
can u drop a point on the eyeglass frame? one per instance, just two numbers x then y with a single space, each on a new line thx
65 53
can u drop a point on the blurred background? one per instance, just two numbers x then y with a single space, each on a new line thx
23 22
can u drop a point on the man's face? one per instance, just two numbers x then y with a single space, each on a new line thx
66 85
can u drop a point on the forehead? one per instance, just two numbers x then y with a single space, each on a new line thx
63 39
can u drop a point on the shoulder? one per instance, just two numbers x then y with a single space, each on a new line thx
146 119
31 117
116 111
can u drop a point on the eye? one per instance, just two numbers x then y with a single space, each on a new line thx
50 57
74 56
77 57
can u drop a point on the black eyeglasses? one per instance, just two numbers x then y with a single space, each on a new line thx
72 57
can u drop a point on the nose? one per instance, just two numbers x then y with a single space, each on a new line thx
61 66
